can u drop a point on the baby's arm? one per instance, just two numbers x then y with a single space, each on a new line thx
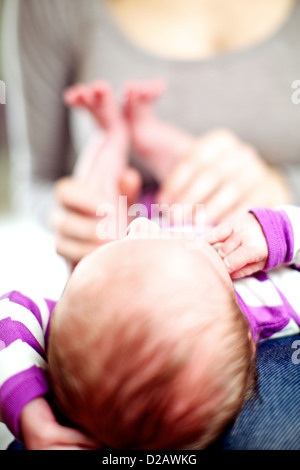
261 239
24 324
283 234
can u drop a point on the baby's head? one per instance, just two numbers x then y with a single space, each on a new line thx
148 347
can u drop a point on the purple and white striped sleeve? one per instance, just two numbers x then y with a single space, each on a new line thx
293 213
24 324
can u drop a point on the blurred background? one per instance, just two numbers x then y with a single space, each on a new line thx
28 261
4 161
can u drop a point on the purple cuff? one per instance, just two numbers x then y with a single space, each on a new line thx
279 235
19 390
247 313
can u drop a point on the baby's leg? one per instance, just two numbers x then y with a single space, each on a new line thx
105 160
159 144
98 98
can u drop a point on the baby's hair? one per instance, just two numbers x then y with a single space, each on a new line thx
168 374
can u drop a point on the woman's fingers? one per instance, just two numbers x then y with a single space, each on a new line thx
73 250
193 167
73 194
74 220
74 225
130 185
177 182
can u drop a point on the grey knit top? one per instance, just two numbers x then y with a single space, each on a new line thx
50 44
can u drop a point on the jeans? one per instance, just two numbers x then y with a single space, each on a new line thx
270 420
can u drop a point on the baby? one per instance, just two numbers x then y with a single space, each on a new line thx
151 345
141 349
148 348
105 159
126 129
131 126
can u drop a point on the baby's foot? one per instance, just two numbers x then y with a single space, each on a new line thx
160 145
139 98
98 98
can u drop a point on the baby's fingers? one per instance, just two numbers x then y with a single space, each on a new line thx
248 270
218 234
225 235
236 260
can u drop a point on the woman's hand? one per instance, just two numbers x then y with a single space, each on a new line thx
225 175
41 431
75 221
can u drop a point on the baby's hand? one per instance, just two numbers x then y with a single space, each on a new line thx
243 246
41 431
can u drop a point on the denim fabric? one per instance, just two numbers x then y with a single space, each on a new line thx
16 445
270 420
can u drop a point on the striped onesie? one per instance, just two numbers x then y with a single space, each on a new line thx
268 299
